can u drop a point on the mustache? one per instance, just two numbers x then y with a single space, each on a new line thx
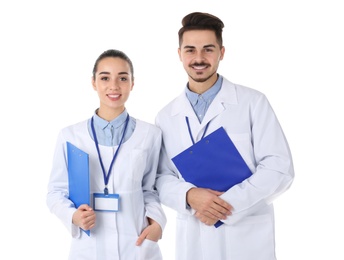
199 64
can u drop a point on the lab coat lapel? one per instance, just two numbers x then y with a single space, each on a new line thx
182 108
226 97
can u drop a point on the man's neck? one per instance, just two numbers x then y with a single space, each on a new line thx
201 87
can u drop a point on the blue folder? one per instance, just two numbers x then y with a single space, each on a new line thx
78 177
213 162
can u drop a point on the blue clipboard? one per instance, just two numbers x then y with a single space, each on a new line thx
214 162
78 177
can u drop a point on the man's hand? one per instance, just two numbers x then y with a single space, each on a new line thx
209 207
84 217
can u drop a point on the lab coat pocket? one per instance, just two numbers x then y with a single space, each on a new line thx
252 238
149 250
137 165
243 144
188 234
83 247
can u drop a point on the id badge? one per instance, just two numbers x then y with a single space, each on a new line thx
109 202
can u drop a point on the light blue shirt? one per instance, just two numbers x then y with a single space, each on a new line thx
110 133
201 102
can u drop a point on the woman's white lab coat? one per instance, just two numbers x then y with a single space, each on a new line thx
249 120
132 177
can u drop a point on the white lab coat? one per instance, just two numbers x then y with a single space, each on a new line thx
249 120
132 177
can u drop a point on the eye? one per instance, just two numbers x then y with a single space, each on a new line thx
209 50
123 79
104 78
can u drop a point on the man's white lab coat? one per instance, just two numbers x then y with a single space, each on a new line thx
249 120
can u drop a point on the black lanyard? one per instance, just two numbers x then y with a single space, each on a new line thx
107 176
205 130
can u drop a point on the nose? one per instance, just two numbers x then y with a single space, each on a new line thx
199 57
114 85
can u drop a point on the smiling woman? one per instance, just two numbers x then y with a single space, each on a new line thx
124 219
112 83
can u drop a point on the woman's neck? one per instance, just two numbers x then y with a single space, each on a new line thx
109 114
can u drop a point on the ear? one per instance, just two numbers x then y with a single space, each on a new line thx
222 52
179 52
132 86
93 84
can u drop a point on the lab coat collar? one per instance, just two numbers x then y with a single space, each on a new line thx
116 123
226 96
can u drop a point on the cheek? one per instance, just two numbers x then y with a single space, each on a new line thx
186 62
126 92
185 59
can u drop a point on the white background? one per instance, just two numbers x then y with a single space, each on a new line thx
290 50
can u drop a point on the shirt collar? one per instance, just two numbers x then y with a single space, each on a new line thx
193 97
117 122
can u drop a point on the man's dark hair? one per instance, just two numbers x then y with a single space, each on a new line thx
201 21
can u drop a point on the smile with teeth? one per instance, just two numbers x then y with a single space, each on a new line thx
113 95
199 67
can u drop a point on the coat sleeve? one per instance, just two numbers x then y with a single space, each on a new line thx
57 196
172 190
153 207
274 171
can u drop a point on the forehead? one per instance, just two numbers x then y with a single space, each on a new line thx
113 64
199 38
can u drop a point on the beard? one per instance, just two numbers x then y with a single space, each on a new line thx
203 79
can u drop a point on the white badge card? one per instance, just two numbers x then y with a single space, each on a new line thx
109 202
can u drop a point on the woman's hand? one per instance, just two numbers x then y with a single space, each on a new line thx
152 232
84 217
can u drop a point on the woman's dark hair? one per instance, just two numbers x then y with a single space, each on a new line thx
114 54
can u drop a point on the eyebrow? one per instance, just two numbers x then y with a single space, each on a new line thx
205 46
104 72
108 73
